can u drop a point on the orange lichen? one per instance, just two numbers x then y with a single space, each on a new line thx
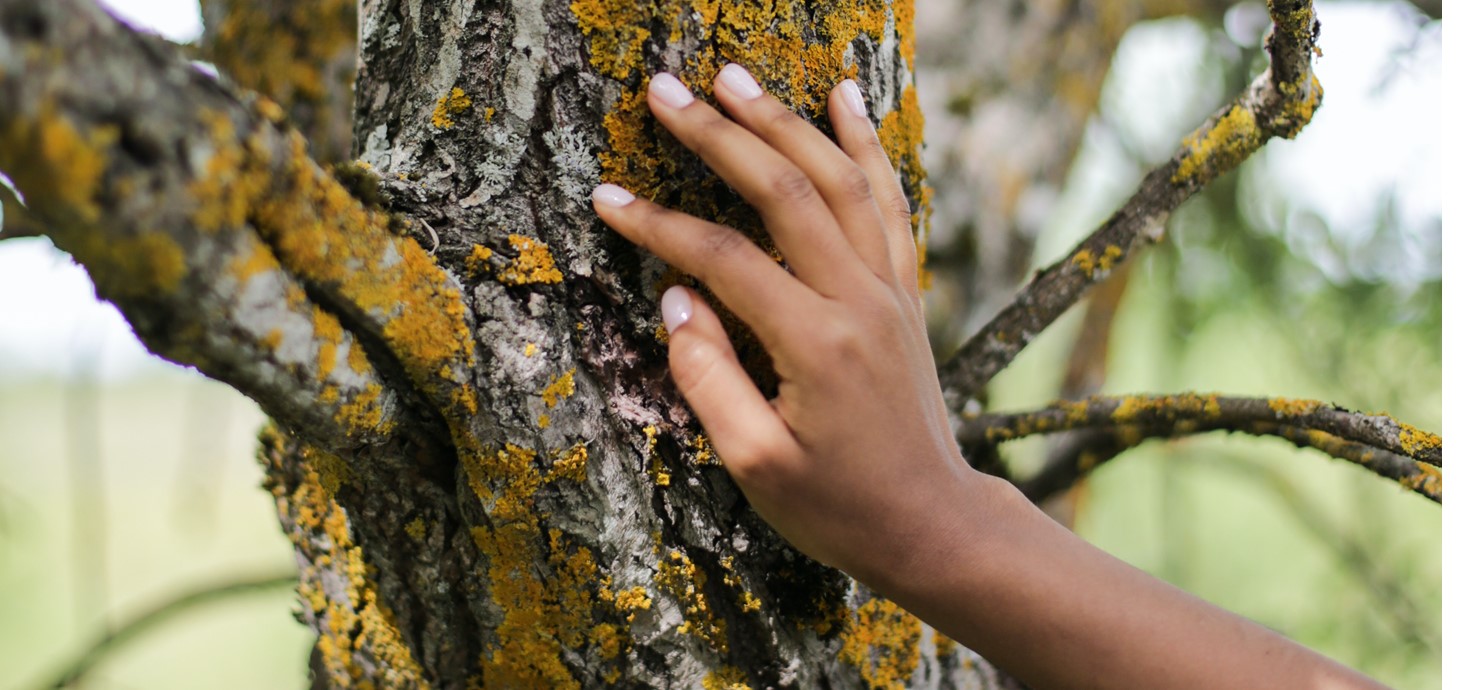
679 577
451 103
882 642
1428 480
325 237
560 389
355 627
546 591
363 411
944 646
1219 148
478 263
533 264
284 55
1415 442
1132 407
704 453
727 678
58 168
328 333
1286 407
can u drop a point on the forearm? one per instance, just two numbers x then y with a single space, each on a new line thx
1055 611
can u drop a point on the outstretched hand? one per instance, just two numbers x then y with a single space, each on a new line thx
859 411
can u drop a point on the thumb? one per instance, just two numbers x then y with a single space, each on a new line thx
743 427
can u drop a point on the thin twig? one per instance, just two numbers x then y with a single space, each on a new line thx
1105 441
155 616
1278 103
1193 412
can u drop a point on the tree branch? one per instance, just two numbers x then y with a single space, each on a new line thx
197 212
1280 102
1377 443
84 662
299 53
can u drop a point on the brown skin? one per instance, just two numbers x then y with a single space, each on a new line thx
859 426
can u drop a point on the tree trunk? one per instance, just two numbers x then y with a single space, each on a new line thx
583 534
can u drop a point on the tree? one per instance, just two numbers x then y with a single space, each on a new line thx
476 450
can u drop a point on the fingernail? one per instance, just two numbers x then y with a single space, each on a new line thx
670 90
740 82
612 195
852 96
676 307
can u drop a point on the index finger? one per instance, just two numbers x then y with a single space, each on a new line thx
750 283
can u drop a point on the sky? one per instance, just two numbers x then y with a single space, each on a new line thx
1377 130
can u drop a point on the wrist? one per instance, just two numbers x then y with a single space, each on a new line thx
959 533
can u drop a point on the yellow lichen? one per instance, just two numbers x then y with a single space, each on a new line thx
1220 148
416 529
533 264
1415 442
1083 260
704 454
451 103
944 645
1285 407
572 464
1428 480
560 389
325 237
631 601
356 627
478 263
678 576
727 678
882 643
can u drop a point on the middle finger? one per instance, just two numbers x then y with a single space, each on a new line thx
795 215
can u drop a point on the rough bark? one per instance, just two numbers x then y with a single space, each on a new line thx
485 470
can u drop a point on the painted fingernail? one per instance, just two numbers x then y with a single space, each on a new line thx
740 82
670 90
852 96
612 195
676 307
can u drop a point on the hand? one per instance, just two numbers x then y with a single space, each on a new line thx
853 461
853 457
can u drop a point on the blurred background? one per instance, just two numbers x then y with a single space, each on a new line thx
1314 271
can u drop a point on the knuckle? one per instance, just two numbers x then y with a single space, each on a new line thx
792 186
722 243
897 205
759 460
854 184
783 122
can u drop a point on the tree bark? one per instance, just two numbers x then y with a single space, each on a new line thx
488 477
